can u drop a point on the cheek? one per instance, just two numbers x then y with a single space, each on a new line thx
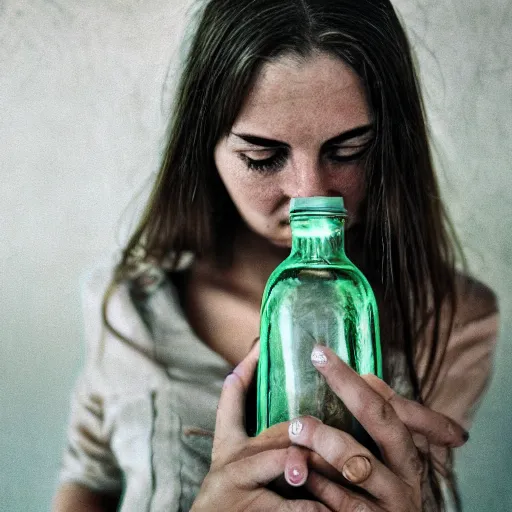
249 191
351 185
262 195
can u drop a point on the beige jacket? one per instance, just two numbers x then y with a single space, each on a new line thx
144 428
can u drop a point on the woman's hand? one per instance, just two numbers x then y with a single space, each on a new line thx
392 485
242 466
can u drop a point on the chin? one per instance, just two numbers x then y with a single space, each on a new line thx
282 244
281 240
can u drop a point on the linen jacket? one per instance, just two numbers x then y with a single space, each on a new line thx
142 417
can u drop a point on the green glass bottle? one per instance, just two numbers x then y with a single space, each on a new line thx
316 295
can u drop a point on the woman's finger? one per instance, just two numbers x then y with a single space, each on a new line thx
374 413
276 436
247 479
337 497
257 470
296 466
436 427
355 462
421 443
229 426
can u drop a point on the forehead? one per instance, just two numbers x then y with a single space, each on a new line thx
292 97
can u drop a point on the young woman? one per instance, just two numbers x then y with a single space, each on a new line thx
280 99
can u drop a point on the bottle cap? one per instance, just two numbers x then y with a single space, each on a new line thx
318 204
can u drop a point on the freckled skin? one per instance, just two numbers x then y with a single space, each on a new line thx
303 103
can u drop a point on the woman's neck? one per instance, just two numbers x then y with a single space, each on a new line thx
254 259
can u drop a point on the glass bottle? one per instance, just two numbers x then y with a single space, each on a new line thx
315 296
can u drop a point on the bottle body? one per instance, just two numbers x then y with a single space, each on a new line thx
315 296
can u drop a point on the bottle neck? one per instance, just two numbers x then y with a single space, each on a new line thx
318 237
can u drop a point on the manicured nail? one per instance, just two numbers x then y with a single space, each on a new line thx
357 469
295 428
458 438
231 377
318 357
295 477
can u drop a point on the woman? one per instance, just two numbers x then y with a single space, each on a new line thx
279 100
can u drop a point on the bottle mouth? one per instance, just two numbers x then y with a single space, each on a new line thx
318 205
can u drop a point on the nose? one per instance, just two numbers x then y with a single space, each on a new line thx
307 179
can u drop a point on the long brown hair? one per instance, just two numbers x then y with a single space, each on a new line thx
408 246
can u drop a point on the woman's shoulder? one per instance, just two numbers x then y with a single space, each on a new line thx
476 301
465 366
125 301
105 297
130 326
131 287
138 302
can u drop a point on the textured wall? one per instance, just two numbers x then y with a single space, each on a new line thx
83 109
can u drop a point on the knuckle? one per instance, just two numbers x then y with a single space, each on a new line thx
322 486
358 506
256 445
337 460
385 411
343 503
297 506
379 411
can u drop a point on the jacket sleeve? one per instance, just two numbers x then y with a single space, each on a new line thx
467 365
466 369
88 458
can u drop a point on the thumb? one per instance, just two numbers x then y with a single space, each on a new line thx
229 427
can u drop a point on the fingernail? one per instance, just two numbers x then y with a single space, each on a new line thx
230 377
295 428
318 357
357 469
295 477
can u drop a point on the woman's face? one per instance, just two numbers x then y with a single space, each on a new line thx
301 132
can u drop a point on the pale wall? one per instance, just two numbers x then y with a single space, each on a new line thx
83 107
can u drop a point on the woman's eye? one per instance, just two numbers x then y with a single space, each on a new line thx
348 153
271 163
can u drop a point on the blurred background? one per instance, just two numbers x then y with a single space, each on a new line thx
85 90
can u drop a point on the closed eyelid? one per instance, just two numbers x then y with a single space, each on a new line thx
348 153
356 142
273 162
262 155
260 151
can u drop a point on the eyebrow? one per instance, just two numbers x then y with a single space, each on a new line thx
272 143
